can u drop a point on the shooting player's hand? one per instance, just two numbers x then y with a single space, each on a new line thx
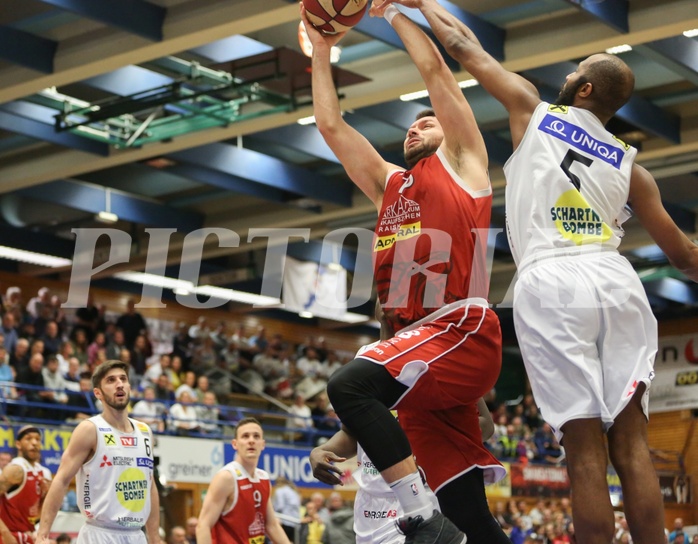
323 467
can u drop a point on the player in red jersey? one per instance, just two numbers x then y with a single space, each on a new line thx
237 509
430 270
23 485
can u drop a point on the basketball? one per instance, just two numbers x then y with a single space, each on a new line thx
332 16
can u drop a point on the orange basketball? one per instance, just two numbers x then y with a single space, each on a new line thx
332 16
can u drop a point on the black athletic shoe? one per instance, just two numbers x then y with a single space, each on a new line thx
438 529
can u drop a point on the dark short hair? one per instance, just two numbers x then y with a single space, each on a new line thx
102 370
425 113
245 421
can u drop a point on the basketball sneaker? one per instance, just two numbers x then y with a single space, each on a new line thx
438 529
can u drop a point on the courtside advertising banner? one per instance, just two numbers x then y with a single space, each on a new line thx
675 384
291 463
53 442
190 460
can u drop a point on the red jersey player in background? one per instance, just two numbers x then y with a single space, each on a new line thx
23 485
432 283
237 509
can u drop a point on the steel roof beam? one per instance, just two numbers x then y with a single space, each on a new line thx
30 120
679 54
92 198
267 171
306 139
614 13
134 16
28 50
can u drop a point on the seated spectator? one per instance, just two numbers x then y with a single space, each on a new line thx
14 306
65 352
6 375
205 356
149 411
175 371
72 377
140 354
99 342
509 442
19 358
310 365
202 387
340 528
189 384
258 342
80 346
32 375
302 421
183 416
153 371
43 298
82 408
199 331
312 527
52 339
332 364
9 331
53 379
208 414
163 390
328 425
116 345
271 368
546 444
182 344
219 337
37 346
87 319
134 325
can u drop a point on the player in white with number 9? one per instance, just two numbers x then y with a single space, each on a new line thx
113 458
585 327
237 509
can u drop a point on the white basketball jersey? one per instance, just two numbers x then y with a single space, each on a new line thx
567 184
114 486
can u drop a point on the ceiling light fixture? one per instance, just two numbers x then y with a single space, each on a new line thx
691 33
619 49
31 257
106 215
414 96
306 120
467 83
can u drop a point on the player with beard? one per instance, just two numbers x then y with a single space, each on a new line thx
432 284
112 456
585 328
23 484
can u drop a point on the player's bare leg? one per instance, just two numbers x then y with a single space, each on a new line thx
630 455
587 461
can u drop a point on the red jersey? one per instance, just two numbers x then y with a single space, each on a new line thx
245 521
430 232
20 506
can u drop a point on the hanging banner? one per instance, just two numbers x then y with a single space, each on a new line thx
532 480
318 289
675 385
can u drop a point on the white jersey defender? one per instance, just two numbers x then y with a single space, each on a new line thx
580 311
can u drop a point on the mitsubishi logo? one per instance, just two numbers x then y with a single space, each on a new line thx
105 462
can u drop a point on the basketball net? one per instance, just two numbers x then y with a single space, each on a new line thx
307 46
